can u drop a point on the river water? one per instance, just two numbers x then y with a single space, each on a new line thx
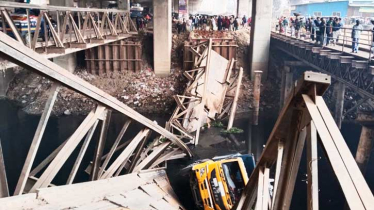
17 129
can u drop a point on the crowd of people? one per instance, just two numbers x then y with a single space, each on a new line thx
324 31
211 23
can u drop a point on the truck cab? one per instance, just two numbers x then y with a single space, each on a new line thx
217 184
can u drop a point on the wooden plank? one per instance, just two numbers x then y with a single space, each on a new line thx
28 27
53 92
235 102
137 56
157 151
47 160
346 155
100 55
108 52
81 153
114 146
312 168
37 29
260 189
92 62
122 56
130 55
295 168
266 193
63 28
164 158
341 172
4 190
29 59
100 146
278 169
125 155
88 60
115 57
55 36
68 148
138 152
15 31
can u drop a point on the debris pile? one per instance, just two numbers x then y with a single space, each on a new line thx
142 91
198 34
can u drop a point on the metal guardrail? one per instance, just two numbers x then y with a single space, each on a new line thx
343 38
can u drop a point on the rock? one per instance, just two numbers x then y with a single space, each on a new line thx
67 112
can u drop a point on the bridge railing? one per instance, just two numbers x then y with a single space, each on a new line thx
52 29
341 37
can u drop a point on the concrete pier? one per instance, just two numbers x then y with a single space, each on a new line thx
162 37
366 140
338 95
286 85
68 61
260 36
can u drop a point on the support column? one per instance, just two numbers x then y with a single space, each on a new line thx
338 95
286 86
366 140
162 37
68 61
260 36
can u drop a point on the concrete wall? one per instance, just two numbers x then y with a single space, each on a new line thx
162 36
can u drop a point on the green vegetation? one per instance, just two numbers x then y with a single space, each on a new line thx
218 124
233 130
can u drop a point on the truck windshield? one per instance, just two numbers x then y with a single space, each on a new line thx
234 179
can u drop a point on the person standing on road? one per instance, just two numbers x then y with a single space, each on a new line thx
244 21
236 24
322 32
219 23
335 30
356 33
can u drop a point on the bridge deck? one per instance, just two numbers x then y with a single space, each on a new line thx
145 190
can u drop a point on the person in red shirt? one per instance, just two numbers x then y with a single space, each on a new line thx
249 21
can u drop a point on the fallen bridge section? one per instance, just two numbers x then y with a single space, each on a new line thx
146 190
135 155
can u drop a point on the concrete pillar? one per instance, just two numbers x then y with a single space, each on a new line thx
286 85
68 62
338 96
366 140
162 37
260 35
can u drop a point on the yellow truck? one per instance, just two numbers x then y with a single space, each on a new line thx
217 184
